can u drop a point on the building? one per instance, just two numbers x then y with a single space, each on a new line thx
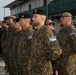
19 6
52 7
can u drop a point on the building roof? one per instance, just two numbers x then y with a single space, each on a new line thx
15 3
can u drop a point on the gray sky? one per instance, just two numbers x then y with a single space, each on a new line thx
7 11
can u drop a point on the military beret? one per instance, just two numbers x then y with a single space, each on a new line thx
39 11
5 18
12 17
66 14
16 20
24 15
3 21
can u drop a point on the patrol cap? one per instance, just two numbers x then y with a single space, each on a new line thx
12 17
66 14
16 20
48 22
24 15
39 11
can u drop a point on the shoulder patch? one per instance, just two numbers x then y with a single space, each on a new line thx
72 33
30 37
53 38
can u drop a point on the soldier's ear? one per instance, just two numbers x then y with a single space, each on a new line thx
43 17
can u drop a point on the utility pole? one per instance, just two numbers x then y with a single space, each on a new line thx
47 8
17 8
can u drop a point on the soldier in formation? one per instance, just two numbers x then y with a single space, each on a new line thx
43 48
14 50
34 52
67 40
24 48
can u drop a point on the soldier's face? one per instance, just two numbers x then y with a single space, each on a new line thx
22 22
7 21
4 24
11 21
64 20
36 19
17 25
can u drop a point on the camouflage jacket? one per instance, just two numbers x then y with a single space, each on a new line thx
24 50
16 37
42 52
9 38
3 38
54 32
25 44
67 41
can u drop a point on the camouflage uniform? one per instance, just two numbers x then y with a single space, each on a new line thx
9 40
67 41
55 62
3 39
54 32
24 51
14 52
42 52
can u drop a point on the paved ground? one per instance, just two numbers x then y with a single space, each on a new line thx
2 67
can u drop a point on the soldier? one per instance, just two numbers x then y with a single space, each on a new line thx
9 41
25 44
51 25
4 35
43 46
67 41
74 21
14 52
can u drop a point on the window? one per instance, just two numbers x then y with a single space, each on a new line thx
37 4
29 7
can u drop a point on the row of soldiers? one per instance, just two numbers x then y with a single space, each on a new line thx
39 50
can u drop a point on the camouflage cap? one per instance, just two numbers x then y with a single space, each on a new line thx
66 14
48 21
12 17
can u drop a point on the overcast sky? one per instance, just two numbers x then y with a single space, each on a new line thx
7 11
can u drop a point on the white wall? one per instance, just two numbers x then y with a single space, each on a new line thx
13 11
25 7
